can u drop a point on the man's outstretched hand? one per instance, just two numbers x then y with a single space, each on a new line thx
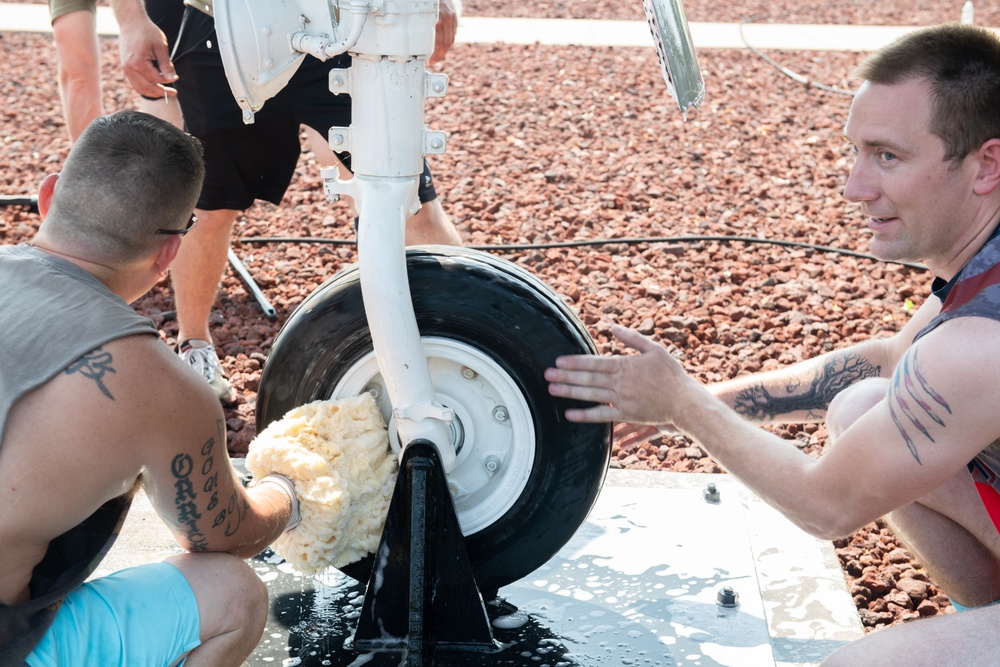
627 388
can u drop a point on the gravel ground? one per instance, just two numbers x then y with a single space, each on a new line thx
551 144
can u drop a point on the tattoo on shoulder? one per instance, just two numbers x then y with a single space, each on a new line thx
759 402
94 365
913 403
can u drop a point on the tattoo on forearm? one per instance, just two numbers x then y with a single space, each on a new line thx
759 403
232 515
94 365
911 400
211 475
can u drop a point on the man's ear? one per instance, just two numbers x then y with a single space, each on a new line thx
45 190
167 252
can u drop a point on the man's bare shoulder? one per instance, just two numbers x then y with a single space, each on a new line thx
88 434
962 339
948 379
137 376
118 397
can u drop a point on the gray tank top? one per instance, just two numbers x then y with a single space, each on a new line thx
52 312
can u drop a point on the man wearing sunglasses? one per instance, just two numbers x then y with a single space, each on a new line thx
94 404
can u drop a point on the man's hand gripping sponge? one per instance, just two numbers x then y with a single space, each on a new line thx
337 454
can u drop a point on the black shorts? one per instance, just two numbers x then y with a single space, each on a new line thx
256 161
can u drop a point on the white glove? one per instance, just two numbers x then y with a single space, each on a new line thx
289 488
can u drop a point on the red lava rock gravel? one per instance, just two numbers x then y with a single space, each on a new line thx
550 144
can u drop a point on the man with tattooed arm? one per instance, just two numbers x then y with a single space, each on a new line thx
94 404
913 418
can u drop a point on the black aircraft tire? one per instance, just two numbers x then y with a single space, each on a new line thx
507 315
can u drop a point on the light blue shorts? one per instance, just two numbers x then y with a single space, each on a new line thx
960 608
144 615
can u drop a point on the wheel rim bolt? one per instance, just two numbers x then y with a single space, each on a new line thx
491 463
500 413
468 373
374 389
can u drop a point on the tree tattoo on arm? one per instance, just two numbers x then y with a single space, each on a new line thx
912 402
759 403
94 365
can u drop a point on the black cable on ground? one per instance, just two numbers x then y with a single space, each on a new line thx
513 247
31 201
781 68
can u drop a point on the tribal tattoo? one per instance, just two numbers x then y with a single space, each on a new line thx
913 403
94 365
759 403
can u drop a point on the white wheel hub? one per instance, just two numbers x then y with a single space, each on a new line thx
493 433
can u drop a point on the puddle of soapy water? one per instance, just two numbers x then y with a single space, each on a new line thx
541 623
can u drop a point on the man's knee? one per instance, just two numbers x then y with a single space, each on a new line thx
430 212
230 595
852 403
217 218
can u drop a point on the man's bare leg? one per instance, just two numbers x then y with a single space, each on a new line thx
325 157
430 225
951 534
196 272
968 638
948 530
953 537
850 404
195 276
232 605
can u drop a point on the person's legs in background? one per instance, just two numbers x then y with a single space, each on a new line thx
78 61
164 108
195 276
429 225
245 163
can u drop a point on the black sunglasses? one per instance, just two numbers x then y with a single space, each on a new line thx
180 232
